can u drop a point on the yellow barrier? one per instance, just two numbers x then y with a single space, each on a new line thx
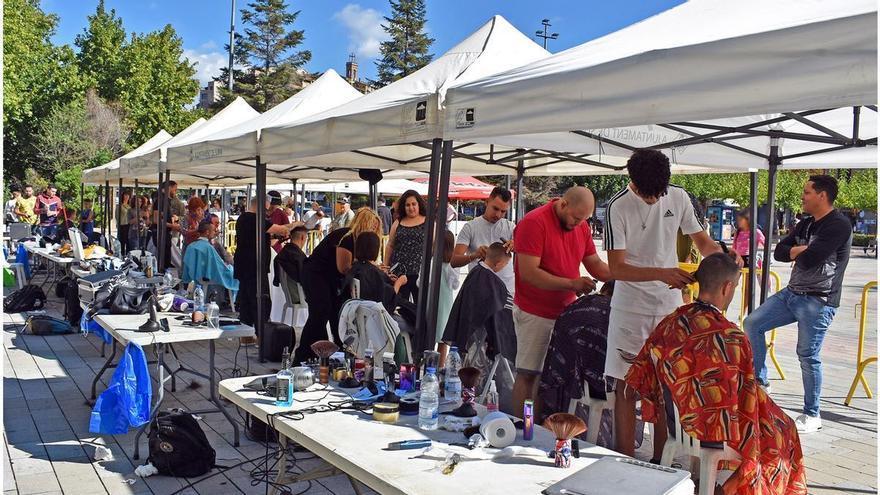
314 239
861 364
777 285
230 236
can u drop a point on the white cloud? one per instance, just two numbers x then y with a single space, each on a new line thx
364 26
208 62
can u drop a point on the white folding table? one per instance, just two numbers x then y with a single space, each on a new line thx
123 330
51 257
356 445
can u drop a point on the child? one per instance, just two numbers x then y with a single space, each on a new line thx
449 282
375 284
481 301
87 220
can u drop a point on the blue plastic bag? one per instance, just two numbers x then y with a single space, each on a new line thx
126 402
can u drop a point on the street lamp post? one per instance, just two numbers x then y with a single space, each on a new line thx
543 34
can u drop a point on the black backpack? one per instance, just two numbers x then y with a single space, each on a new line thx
46 325
178 446
72 309
28 298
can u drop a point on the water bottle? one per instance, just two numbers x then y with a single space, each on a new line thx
453 382
167 280
429 402
492 398
199 299
213 314
284 380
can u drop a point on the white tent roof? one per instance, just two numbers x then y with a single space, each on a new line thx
109 171
705 59
148 164
405 111
394 187
216 153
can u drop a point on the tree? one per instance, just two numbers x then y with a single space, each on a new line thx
407 50
267 49
37 77
157 84
100 51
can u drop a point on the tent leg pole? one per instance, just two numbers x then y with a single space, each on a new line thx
158 208
771 216
261 252
166 239
137 214
439 241
105 221
119 217
520 171
421 343
753 241
511 214
374 198
82 195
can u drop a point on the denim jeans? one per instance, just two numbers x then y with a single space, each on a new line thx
813 318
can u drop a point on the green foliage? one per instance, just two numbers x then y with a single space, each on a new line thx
268 49
37 77
100 51
407 50
157 84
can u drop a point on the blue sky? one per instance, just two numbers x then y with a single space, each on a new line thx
335 28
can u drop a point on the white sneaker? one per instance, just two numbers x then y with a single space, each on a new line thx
808 424
767 388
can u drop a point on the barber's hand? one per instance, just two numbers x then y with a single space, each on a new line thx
583 285
676 278
481 252
508 246
736 257
400 282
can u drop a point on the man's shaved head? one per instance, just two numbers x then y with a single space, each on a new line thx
718 276
575 207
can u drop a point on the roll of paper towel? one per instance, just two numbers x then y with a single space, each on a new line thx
498 429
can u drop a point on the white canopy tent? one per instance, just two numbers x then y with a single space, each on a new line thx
232 152
394 187
153 162
705 59
744 85
97 176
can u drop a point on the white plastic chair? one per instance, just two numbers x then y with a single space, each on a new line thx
597 408
704 460
294 299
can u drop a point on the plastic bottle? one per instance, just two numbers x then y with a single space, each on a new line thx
453 382
429 402
492 398
213 314
284 392
199 299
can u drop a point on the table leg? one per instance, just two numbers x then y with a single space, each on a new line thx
281 477
103 369
214 398
160 396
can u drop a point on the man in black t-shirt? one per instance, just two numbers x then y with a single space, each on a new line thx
819 247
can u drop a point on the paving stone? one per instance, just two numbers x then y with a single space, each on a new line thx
37 483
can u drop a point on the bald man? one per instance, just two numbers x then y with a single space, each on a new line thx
551 243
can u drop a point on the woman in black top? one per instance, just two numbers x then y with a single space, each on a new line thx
323 273
243 262
406 240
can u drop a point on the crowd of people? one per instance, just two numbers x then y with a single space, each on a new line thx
659 347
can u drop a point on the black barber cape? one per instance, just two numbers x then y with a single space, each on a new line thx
290 259
375 285
482 311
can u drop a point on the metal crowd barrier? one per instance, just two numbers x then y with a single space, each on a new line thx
861 363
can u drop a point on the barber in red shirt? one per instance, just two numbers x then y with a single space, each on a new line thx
551 244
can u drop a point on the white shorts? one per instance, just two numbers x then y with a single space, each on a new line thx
627 333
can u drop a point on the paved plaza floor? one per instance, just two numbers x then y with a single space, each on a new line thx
48 449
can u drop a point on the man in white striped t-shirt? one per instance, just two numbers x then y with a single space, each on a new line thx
642 222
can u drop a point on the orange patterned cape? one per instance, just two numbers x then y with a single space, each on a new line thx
706 363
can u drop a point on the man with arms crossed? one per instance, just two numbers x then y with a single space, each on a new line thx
819 246
480 233
642 222
551 244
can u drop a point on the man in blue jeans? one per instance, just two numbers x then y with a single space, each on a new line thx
819 247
